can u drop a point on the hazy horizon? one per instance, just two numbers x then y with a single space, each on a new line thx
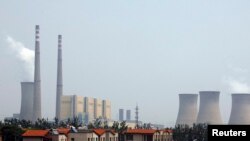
129 52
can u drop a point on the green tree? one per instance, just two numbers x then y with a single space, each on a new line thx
11 133
186 133
98 123
120 128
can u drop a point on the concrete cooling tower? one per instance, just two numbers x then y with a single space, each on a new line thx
27 91
187 109
209 111
240 112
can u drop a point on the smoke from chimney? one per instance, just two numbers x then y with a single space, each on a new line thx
25 55
238 86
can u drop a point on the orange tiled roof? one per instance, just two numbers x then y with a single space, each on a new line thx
169 131
140 131
64 131
35 133
99 131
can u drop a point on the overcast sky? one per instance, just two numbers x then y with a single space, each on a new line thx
127 51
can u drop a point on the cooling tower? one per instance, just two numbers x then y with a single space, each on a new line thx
240 112
37 80
209 111
187 109
27 92
59 86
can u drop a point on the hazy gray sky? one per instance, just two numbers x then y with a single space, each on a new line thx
128 51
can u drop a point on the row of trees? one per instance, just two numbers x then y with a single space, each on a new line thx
12 129
198 132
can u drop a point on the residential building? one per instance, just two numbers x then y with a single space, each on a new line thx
46 135
147 135
106 135
36 135
93 135
82 135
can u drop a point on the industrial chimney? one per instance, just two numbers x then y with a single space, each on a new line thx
209 111
187 109
37 80
240 112
27 92
59 86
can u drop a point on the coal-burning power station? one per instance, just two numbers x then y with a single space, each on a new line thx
88 108
187 109
240 111
66 105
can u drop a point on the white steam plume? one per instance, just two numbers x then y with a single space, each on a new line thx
238 86
24 54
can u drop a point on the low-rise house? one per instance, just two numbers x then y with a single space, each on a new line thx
93 135
60 134
167 135
36 135
147 135
83 135
106 135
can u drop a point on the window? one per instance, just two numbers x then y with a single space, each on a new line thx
129 137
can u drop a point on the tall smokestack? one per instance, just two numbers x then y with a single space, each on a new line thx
59 86
37 80
240 112
187 109
209 111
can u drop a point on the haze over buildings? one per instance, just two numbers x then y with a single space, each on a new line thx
127 51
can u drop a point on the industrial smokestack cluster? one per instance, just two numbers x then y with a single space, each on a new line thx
31 91
209 109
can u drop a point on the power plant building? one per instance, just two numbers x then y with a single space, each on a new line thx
209 110
128 115
240 112
106 109
121 114
27 92
187 109
97 108
86 108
